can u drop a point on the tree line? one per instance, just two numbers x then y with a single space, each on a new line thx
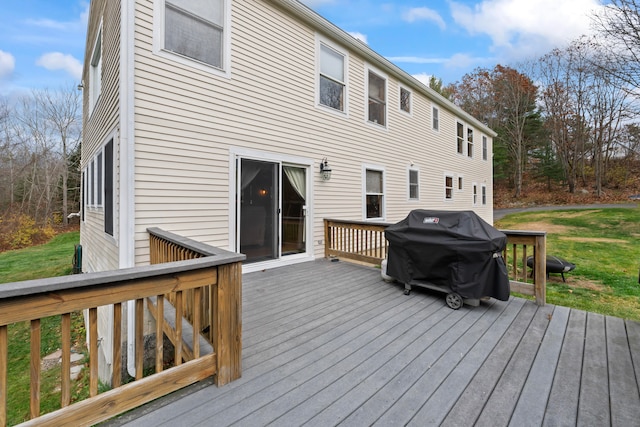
568 117
40 135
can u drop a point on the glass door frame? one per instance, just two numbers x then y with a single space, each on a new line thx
236 155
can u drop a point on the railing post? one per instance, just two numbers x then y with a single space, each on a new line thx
327 240
227 310
540 273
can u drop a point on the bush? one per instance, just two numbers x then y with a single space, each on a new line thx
20 231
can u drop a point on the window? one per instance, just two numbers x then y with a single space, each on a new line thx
405 100
108 188
448 187
92 180
99 177
475 194
95 72
332 78
377 99
484 194
83 196
460 133
414 184
435 118
484 147
470 142
460 183
374 193
195 29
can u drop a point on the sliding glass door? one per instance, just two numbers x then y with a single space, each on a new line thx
271 209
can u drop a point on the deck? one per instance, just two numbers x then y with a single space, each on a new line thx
327 343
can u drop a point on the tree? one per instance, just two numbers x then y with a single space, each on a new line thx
435 83
505 99
618 25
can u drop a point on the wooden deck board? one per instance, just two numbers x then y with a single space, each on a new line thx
331 343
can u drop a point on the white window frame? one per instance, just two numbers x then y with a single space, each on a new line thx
435 118
474 194
449 190
95 71
409 184
367 70
383 207
345 54
461 141
484 194
485 148
459 183
92 183
99 157
470 142
158 42
406 89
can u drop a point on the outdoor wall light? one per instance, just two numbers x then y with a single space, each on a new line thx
325 170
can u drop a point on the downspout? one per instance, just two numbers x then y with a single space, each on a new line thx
126 218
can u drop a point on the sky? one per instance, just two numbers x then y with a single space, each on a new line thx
42 41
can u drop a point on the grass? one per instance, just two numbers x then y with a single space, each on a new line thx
48 260
605 246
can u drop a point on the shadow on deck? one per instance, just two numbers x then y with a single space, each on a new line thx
326 343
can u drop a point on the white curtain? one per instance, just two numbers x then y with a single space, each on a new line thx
249 173
297 180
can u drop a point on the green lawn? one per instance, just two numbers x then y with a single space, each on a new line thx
605 246
48 260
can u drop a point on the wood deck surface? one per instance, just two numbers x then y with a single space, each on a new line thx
330 343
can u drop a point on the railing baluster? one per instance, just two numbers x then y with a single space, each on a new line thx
4 344
179 315
139 331
65 369
116 376
35 368
159 332
93 351
197 294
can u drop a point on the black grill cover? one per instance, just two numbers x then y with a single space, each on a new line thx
458 250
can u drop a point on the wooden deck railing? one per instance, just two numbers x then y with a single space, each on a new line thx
218 275
365 242
355 240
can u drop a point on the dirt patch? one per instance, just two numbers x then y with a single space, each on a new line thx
593 239
542 226
579 283
575 214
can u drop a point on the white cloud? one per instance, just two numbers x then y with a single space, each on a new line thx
7 64
424 14
359 36
78 24
417 60
422 78
59 61
520 28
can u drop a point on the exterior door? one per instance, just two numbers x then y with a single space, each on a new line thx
259 202
272 209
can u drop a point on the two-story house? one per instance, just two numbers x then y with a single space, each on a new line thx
217 120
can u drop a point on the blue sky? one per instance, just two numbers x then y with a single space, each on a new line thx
42 41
